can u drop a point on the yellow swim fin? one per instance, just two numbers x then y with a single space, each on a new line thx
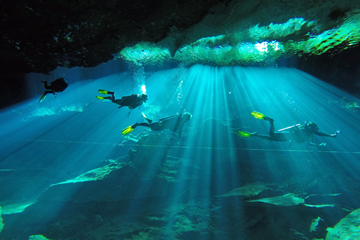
244 134
101 98
105 92
258 115
127 130
42 97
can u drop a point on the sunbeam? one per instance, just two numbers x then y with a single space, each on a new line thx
68 152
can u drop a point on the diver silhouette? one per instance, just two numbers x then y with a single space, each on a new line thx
174 123
58 85
301 133
132 101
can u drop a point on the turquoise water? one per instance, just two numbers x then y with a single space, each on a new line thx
68 173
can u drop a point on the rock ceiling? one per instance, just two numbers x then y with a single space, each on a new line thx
38 36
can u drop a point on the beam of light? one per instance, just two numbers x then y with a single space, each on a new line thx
274 91
43 135
209 160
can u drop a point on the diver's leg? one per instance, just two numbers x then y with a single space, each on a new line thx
44 95
46 86
103 98
46 92
262 136
277 137
140 124
112 98
272 127
147 119
144 125
271 132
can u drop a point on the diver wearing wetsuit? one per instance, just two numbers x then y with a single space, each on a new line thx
174 123
301 133
58 85
132 101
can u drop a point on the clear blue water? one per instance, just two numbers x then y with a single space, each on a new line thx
171 190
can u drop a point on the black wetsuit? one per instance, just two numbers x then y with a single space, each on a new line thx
299 133
174 123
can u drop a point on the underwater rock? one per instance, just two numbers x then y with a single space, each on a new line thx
292 199
289 199
1 222
297 189
147 150
96 174
248 190
347 229
308 184
149 170
95 185
89 39
37 237
187 221
98 221
314 224
15 184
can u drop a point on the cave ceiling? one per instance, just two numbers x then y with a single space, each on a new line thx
38 36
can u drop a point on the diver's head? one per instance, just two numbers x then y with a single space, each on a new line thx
186 116
311 126
144 97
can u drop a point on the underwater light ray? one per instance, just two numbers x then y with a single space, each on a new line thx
294 107
197 105
224 134
209 136
221 169
283 121
162 88
199 98
215 134
211 158
52 142
332 115
261 96
199 147
235 102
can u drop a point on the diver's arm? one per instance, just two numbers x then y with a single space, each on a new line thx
311 142
317 145
327 135
323 135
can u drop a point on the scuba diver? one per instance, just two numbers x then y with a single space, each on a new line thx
174 123
132 101
58 85
301 133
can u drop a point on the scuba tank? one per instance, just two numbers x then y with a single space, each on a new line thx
290 128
